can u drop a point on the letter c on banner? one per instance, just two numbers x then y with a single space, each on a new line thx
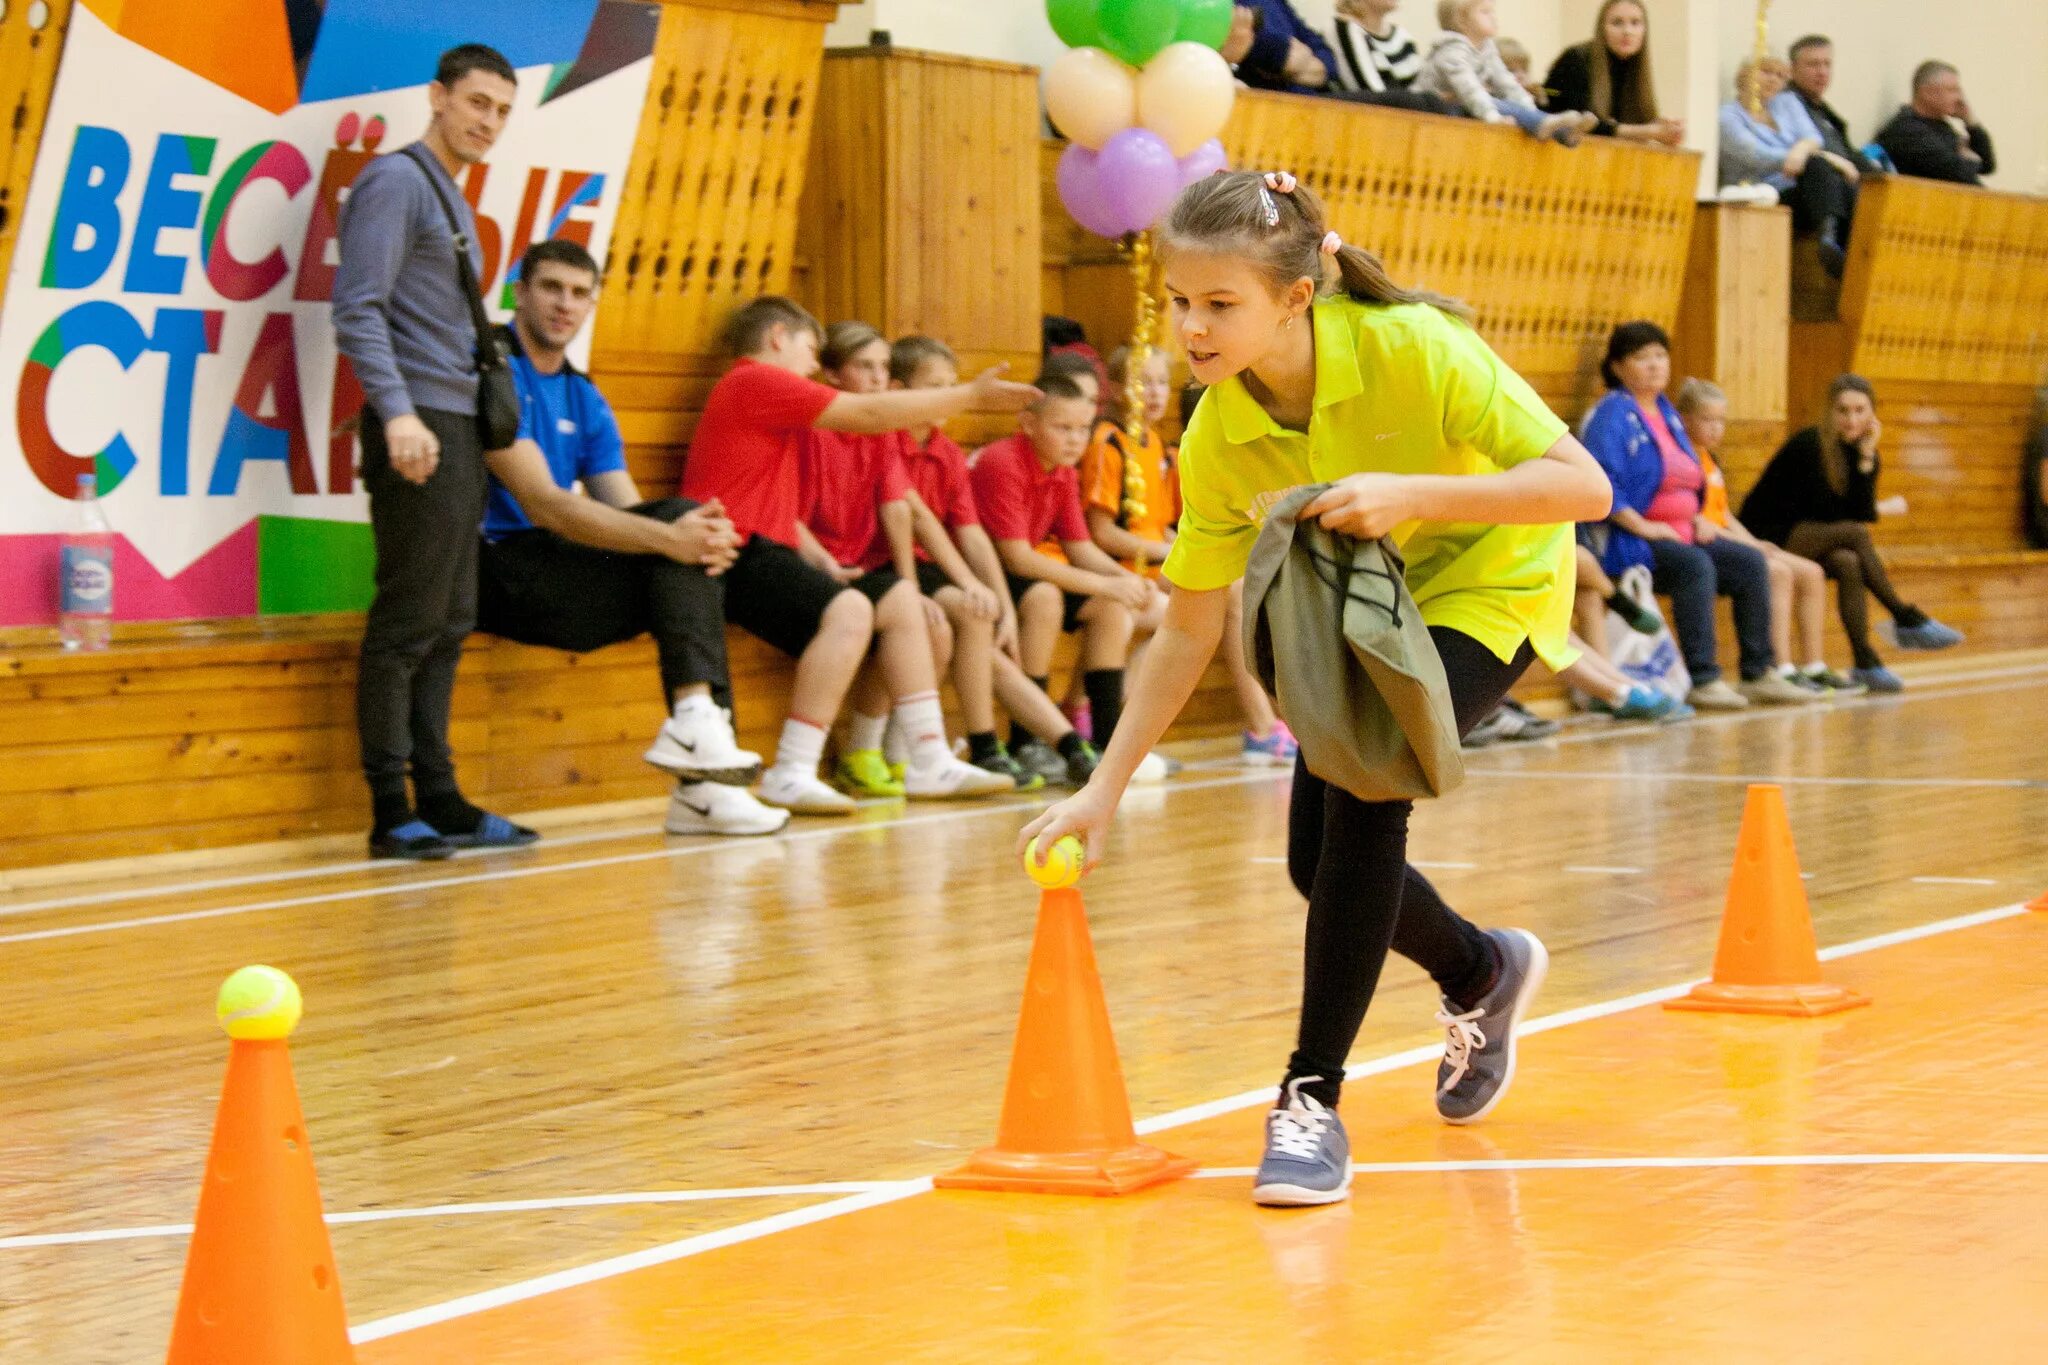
97 323
237 280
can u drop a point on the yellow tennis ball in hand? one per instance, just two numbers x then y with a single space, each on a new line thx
1062 866
259 1003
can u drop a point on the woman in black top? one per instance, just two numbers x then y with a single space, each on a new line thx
1610 77
1817 498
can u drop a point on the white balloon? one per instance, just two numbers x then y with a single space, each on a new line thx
1090 96
1185 94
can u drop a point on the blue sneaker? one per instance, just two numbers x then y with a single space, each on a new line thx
415 840
1479 1043
1276 750
494 831
1308 1157
1927 633
1876 680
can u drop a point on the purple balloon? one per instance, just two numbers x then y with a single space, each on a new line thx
1080 185
1203 162
1139 177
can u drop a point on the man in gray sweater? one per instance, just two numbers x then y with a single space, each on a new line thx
401 319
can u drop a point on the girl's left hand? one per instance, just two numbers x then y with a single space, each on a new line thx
1364 506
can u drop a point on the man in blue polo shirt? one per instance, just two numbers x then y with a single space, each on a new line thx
578 570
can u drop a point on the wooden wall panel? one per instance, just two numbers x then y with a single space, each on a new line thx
921 213
1947 283
1733 319
708 219
31 41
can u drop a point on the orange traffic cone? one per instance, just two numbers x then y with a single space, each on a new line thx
260 1284
2039 902
1066 1124
1766 962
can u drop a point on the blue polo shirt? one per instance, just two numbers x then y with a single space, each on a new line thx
564 414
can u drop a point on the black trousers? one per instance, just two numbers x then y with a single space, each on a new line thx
1350 858
425 605
1821 195
1692 575
540 589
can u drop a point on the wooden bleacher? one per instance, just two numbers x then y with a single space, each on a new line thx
924 215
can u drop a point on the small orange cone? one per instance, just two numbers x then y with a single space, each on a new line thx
260 1283
1066 1124
1766 962
2039 902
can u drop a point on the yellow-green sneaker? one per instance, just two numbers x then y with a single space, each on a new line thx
864 772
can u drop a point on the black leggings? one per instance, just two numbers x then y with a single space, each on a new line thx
1843 548
1350 858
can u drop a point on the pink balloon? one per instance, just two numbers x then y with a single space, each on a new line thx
1203 162
1079 180
1139 177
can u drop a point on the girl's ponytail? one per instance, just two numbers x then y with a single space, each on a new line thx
1364 277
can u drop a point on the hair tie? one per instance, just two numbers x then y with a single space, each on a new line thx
1281 181
1332 244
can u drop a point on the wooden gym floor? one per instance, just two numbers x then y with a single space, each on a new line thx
625 1099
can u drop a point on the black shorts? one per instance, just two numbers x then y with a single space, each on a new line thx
875 583
774 595
1070 619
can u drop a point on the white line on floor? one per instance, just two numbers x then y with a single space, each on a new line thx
1751 779
574 1201
763 1227
1442 867
429 885
1663 1163
1596 870
1956 881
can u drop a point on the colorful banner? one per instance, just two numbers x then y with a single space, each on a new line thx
166 322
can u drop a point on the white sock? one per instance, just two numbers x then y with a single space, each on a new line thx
801 746
696 701
1787 671
1817 666
924 725
865 732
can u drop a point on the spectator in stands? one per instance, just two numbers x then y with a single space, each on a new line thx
1782 147
1377 59
1273 48
745 454
1935 136
1465 66
1799 589
582 570
1606 687
1515 58
1025 491
1637 437
1610 77
401 318
1813 71
1044 746
855 524
1085 368
1818 499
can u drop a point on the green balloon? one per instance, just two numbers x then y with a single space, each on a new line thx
1074 21
1204 21
1135 30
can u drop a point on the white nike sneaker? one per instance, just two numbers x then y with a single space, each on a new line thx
802 792
715 808
697 745
950 780
1155 767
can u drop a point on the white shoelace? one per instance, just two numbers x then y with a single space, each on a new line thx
1297 1129
1461 1034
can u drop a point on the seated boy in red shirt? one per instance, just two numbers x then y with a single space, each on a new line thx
856 525
956 561
745 454
1025 489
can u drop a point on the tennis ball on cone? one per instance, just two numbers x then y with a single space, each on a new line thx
1062 866
258 1003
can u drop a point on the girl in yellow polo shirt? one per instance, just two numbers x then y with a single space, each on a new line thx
1427 437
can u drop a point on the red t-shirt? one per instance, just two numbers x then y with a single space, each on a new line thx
1020 499
745 449
938 471
844 479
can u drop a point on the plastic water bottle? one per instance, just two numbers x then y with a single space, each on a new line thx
85 607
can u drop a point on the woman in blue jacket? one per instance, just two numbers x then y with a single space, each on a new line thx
1636 435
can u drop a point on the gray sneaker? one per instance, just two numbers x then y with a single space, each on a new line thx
1308 1157
1479 1045
1035 755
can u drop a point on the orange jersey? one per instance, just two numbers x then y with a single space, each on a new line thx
1102 479
1714 497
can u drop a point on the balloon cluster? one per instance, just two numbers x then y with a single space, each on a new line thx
1142 94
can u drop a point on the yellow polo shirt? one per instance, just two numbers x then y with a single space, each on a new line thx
1401 389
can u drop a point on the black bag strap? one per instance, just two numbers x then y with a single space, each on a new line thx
487 343
1337 572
